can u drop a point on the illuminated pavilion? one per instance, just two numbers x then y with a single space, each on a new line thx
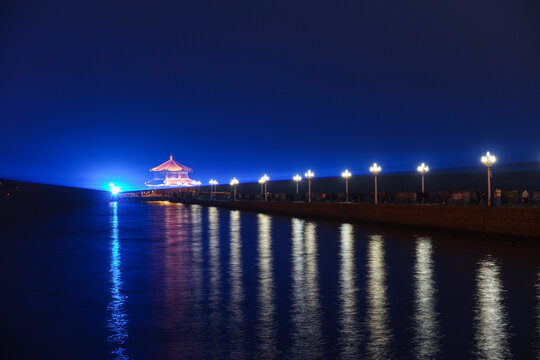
171 173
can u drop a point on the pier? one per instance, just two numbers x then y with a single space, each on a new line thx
500 221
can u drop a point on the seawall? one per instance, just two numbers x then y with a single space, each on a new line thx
505 221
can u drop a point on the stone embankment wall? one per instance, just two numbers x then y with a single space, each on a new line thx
496 221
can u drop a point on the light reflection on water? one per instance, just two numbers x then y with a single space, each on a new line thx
196 255
176 267
213 306
214 240
215 296
491 323
306 309
312 291
266 326
349 339
426 323
377 319
237 325
536 344
118 317
196 275
298 281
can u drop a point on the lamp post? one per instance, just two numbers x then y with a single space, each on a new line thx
262 181
489 160
346 174
213 184
297 179
309 174
422 169
234 182
375 169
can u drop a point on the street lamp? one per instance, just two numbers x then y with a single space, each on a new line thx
489 160
375 169
262 181
213 184
346 174
234 182
309 174
297 178
422 169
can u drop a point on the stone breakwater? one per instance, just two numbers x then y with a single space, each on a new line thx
522 222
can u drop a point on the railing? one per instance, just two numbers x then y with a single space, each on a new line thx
456 198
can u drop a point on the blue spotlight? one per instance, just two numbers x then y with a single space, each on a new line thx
114 189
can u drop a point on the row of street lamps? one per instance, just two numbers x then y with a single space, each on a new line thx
488 160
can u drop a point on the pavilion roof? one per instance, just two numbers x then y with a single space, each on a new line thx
171 165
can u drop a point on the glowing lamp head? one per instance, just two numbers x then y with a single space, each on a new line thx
261 181
346 174
488 159
234 182
375 169
297 178
309 174
423 168
114 189
213 182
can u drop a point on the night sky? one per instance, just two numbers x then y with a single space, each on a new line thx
100 91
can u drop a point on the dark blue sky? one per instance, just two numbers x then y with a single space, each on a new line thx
93 91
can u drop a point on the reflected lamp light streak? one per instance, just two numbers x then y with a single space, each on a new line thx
118 317
266 326
306 309
378 346
350 334
197 274
237 326
425 316
298 309
491 322
214 260
538 314
312 289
